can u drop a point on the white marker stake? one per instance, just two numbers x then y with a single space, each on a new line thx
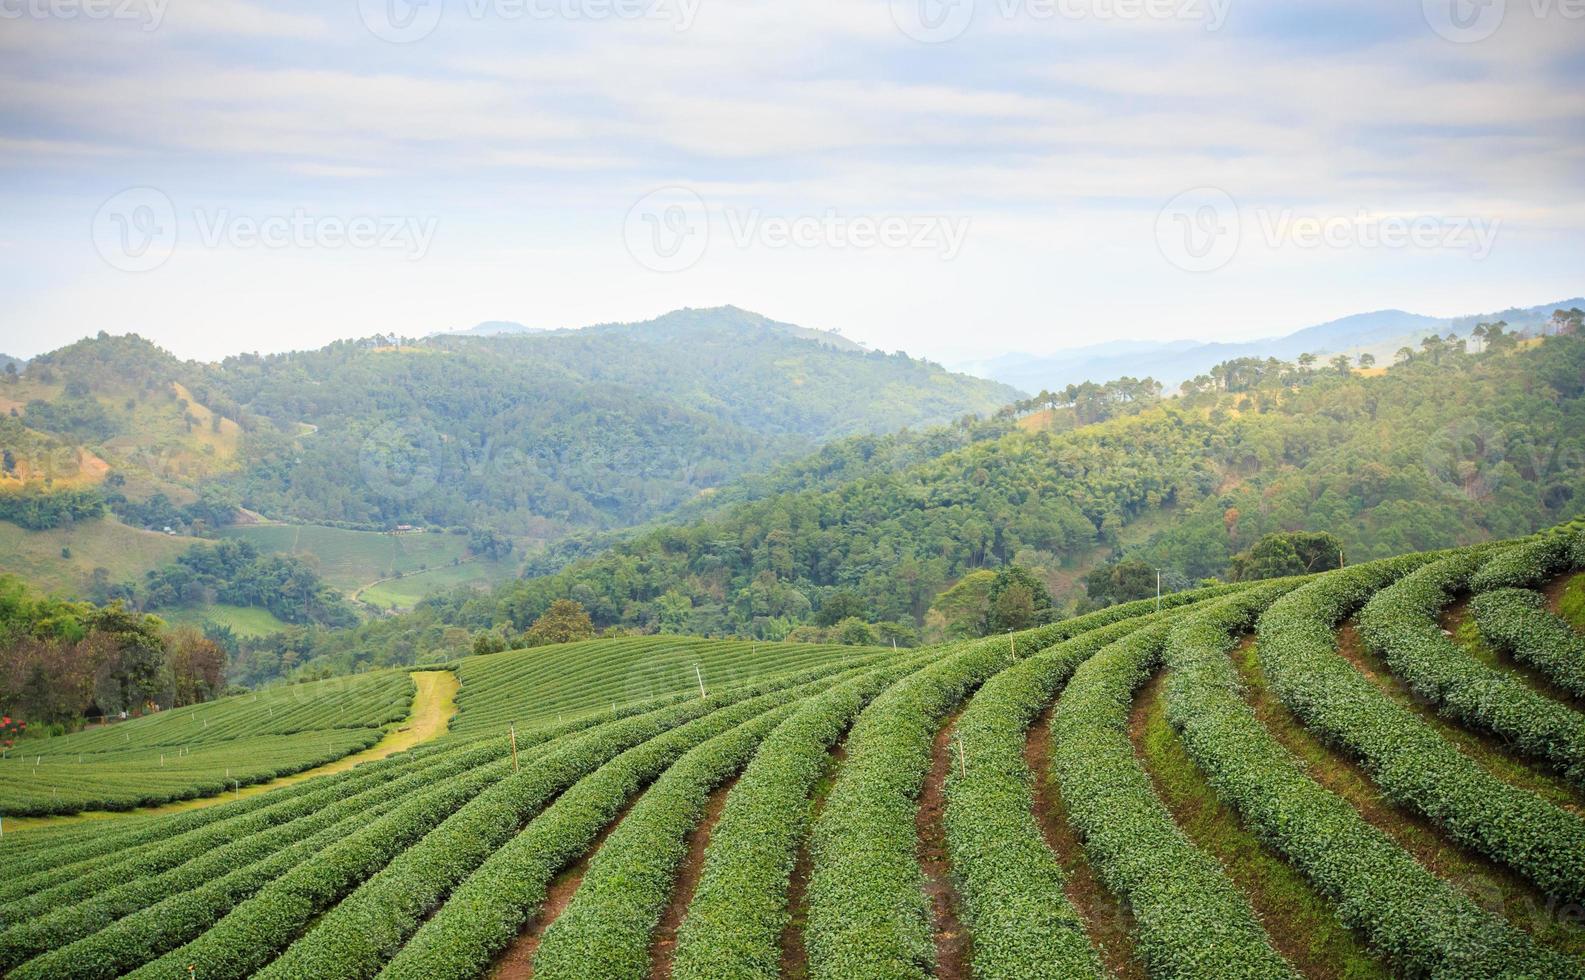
700 676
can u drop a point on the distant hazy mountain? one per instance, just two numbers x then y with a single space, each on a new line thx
1379 333
493 328
500 328
8 359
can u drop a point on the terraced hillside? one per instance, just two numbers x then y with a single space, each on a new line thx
204 749
1369 772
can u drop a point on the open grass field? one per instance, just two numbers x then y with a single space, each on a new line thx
1330 776
243 621
352 560
127 553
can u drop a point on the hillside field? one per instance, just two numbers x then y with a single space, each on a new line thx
356 560
1374 771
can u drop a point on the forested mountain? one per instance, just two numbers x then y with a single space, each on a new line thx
531 434
1448 447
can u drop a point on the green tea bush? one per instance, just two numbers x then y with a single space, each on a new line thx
1409 761
1517 620
1192 920
1416 920
1401 624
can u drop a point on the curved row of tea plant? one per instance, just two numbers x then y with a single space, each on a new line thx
371 700
1400 623
1517 621
867 912
1409 761
605 930
486 912
1529 564
541 685
50 918
72 851
364 930
1192 920
740 905
183 914
1423 925
203 750
1010 883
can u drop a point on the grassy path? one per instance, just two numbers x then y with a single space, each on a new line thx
433 705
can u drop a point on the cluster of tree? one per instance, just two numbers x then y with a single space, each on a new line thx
1280 554
215 507
1090 402
38 509
234 572
63 661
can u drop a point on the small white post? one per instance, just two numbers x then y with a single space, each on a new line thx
1158 590
700 676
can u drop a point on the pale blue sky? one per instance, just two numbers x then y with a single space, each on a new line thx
954 180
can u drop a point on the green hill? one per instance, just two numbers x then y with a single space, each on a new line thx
1446 449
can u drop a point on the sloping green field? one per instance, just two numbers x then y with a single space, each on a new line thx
202 750
1303 777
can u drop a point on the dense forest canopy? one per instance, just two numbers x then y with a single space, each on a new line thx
530 435
1449 447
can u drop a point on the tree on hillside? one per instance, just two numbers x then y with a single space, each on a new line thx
196 665
1287 553
1017 600
1122 581
1367 361
564 622
841 605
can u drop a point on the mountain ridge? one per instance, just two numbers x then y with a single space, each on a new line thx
1376 332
